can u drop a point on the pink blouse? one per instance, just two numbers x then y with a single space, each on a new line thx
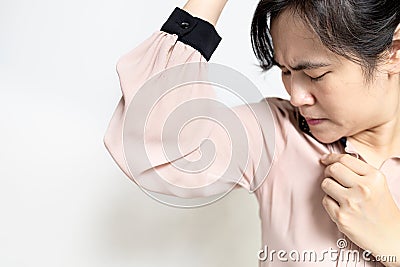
285 174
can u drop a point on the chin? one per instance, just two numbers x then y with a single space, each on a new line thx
326 138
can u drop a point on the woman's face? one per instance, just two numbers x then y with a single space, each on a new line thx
329 87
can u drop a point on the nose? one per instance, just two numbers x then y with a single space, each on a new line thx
299 94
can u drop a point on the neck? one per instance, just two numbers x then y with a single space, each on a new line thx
379 143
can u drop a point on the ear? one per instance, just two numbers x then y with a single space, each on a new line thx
393 65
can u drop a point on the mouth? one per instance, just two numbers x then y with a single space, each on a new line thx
314 121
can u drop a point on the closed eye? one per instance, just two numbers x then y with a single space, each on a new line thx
319 78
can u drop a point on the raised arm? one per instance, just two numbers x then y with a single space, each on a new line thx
208 10
151 135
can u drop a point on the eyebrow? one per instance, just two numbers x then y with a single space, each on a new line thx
306 65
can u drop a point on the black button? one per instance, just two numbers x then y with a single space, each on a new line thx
185 25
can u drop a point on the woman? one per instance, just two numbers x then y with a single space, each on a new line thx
335 169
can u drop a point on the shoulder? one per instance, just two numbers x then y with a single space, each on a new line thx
291 129
285 115
272 109
280 105
292 132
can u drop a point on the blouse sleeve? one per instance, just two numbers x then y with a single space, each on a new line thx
151 138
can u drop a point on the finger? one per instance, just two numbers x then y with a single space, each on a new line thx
342 174
335 190
331 207
354 164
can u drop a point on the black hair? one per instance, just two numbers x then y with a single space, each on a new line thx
359 30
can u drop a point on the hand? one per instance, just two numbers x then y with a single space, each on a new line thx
358 200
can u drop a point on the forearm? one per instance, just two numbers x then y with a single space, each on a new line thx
208 10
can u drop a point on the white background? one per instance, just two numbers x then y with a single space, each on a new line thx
63 201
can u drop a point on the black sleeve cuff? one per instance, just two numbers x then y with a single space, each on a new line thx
193 31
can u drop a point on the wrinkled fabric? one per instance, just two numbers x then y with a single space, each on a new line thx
289 197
